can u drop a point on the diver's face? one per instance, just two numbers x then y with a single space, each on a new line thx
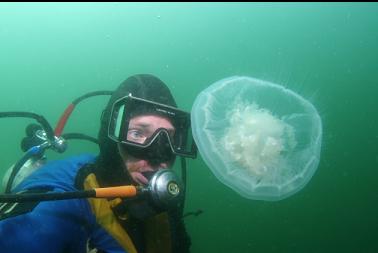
140 128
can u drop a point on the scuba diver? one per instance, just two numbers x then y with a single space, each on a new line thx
141 133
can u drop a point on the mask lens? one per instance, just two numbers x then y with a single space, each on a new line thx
118 122
137 136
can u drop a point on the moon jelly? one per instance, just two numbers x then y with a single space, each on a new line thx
257 137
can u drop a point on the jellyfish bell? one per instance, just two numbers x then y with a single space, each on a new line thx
257 137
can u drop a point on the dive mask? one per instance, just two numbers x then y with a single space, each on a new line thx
140 137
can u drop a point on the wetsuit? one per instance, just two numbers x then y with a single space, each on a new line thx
73 225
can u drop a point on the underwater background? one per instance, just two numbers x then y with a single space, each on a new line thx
52 53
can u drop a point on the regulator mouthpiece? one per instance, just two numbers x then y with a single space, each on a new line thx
166 188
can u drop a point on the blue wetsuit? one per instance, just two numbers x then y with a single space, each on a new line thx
56 226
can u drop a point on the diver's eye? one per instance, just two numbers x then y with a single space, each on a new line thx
136 135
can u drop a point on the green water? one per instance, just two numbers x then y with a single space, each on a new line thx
51 53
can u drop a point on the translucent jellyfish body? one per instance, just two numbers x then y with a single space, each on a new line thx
257 137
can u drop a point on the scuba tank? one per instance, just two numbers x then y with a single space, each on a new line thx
28 168
35 135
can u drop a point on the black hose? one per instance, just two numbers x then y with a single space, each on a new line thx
30 197
70 136
183 176
41 120
92 94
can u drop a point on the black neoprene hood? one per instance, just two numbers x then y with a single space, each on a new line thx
110 169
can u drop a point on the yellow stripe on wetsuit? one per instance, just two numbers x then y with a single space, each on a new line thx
158 237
